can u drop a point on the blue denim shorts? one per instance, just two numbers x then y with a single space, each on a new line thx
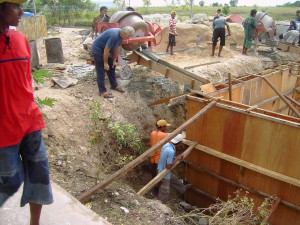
28 162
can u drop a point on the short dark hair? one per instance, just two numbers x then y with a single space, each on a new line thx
129 8
253 12
103 8
3 5
219 10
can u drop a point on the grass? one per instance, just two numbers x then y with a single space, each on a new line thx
86 18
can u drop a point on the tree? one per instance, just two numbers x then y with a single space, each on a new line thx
190 3
201 3
120 3
233 3
147 3
226 9
215 4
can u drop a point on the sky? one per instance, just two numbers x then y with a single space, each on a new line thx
134 3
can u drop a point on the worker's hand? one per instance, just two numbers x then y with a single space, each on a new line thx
176 34
106 66
229 34
180 157
115 63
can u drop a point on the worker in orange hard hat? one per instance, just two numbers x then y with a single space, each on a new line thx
172 33
155 137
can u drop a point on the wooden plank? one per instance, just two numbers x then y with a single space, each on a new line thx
145 155
281 96
274 207
163 173
203 64
269 173
164 100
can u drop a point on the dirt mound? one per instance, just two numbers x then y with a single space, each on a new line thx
187 34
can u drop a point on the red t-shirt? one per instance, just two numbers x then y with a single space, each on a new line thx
19 115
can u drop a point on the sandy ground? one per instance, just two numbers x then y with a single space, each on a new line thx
77 165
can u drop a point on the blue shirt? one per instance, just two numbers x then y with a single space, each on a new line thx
167 156
219 23
110 38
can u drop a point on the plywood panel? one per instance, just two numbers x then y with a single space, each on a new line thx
272 145
288 82
266 143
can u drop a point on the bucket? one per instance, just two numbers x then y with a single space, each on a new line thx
134 20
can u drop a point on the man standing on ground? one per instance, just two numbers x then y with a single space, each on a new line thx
156 136
167 160
103 17
106 49
249 26
219 32
218 13
172 33
23 154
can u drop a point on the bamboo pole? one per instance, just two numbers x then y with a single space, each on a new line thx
142 157
161 175
292 100
280 95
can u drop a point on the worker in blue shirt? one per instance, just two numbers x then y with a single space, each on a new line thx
166 161
105 50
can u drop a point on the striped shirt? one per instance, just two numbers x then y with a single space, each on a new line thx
172 26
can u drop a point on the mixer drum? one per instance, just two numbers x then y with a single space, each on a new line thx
134 20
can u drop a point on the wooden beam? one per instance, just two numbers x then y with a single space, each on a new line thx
203 64
145 155
161 175
292 100
274 207
230 86
250 166
239 185
259 113
280 95
164 100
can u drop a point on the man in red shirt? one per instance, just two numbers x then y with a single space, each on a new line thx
172 33
23 154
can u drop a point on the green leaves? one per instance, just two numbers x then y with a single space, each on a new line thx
44 102
39 76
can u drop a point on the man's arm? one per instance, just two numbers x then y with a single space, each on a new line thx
228 29
116 54
171 161
105 57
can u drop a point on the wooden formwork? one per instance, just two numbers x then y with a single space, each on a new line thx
254 91
33 27
259 150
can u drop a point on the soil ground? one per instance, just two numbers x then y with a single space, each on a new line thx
76 164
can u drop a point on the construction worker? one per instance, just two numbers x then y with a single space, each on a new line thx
291 36
218 13
106 50
155 137
172 33
167 160
249 25
23 155
219 33
102 17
